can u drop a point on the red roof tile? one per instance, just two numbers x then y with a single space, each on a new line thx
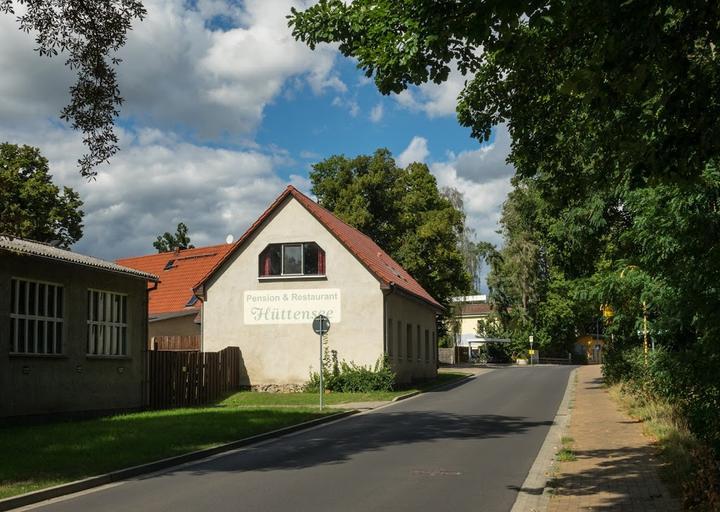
377 261
175 287
476 309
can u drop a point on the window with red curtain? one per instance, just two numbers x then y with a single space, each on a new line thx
274 258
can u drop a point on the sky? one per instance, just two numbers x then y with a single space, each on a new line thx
223 109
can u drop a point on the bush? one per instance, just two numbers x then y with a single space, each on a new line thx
689 381
349 377
498 353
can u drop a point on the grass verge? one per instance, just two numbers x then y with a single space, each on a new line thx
257 399
39 456
678 447
34 457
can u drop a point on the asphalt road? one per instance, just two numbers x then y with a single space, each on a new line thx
465 448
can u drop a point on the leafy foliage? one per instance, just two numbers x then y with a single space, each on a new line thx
31 206
612 109
90 31
344 377
169 242
402 211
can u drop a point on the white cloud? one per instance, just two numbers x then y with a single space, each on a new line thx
177 72
417 151
488 162
484 180
349 103
157 181
376 114
435 100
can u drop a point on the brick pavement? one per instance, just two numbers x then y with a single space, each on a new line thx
616 466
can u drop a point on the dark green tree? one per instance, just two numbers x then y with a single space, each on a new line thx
169 242
31 206
90 32
403 211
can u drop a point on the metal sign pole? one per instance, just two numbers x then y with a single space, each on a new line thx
321 369
321 325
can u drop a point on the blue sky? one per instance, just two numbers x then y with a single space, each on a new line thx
223 109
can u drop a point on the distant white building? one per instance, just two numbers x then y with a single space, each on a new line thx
471 309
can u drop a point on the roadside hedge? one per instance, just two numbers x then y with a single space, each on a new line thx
349 377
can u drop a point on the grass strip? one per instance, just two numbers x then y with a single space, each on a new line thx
677 445
255 399
40 456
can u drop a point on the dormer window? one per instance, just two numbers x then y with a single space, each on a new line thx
292 259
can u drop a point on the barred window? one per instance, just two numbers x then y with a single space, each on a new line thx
107 323
36 317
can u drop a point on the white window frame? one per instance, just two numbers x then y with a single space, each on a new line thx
107 334
46 321
302 259
302 274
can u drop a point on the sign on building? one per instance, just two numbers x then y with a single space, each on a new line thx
291 306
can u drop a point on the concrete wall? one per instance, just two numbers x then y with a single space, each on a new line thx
283 354
72 381
178 326
406 311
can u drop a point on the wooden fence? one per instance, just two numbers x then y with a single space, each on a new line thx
175 343
182 379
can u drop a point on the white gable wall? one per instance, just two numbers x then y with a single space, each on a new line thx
281 354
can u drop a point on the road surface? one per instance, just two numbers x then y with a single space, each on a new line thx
465 448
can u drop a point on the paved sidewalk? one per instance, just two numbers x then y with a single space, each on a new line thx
616 466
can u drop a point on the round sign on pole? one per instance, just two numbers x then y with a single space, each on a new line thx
321 324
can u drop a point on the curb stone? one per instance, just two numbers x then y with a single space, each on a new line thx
151 467
415 393
529 498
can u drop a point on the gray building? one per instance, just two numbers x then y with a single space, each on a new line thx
72 331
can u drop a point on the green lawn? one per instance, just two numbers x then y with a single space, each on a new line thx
255 399
38 456
33 457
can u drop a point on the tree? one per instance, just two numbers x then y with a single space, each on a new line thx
90 31
402 211
169 242
469 248
612 109
31 206
613 115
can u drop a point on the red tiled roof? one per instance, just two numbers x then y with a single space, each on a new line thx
377 261
476 309
175 287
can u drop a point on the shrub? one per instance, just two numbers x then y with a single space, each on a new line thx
349 377
689 381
